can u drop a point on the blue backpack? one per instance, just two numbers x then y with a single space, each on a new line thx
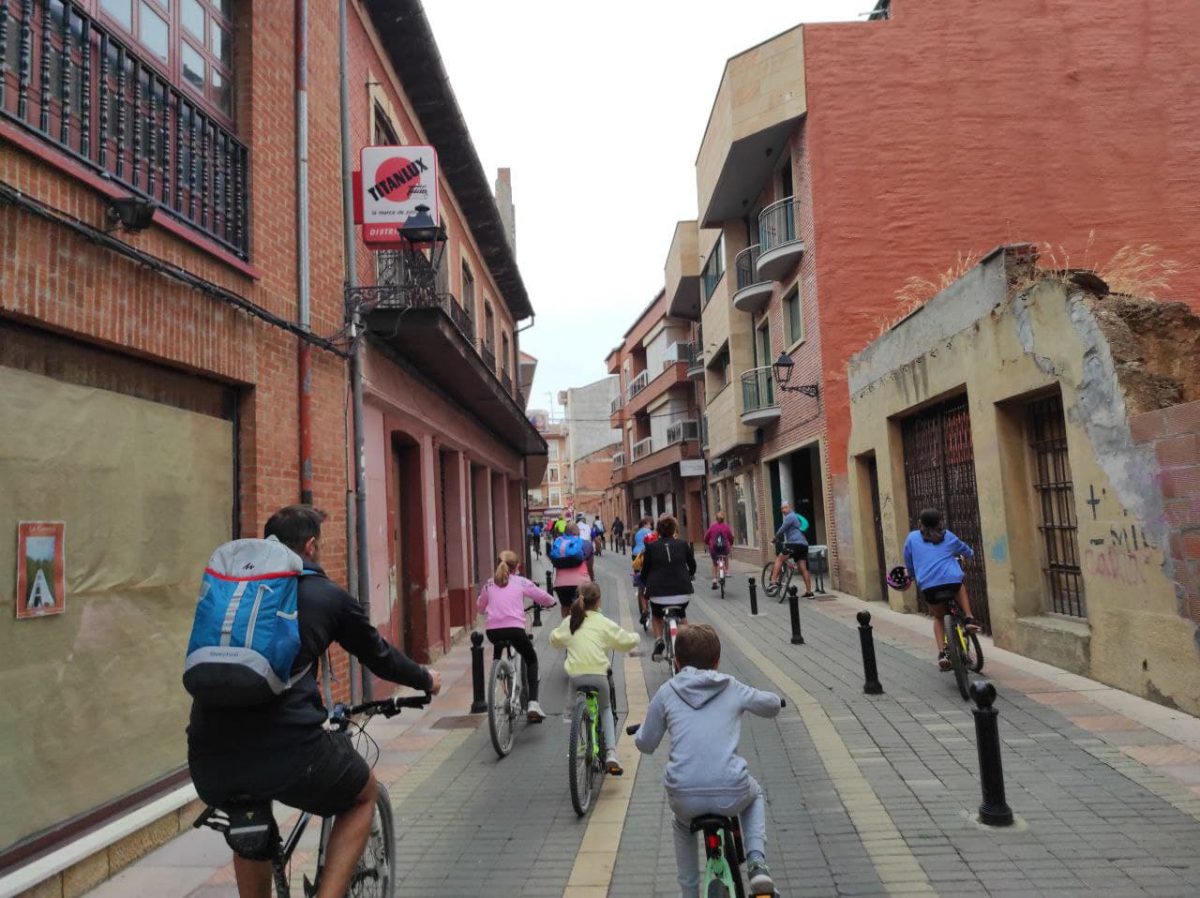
567 551
246 633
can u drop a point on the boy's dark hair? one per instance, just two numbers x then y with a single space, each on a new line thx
931 526
667 526
294 525
698 646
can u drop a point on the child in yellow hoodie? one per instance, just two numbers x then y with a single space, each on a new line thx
587 635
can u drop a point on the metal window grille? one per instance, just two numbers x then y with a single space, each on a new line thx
1057 522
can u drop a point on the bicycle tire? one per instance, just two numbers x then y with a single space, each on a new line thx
974 653
733 858
785 582
579 757
499 702
282 888
769 588
957 663
373 877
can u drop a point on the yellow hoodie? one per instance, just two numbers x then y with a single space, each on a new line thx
587 648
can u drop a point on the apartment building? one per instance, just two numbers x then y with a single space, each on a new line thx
591 441
550 497
174 367
658 467
832 171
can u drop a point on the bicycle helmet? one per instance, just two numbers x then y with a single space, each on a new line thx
899 578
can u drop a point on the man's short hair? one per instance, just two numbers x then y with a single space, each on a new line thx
698 646
295 525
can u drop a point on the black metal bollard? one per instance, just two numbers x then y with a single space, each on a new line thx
871 685
550 582
794 608
994 811
478 704
753 597
537 614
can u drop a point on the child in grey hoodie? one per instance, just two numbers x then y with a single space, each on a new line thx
702 710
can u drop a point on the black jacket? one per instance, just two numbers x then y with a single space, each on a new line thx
327 614
668 568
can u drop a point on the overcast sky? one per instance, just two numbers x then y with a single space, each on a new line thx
598 109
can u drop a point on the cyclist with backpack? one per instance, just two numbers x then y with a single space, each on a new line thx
719 539
667 570
242 748
790 540
645 530
573 562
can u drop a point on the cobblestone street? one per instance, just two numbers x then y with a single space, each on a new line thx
868 795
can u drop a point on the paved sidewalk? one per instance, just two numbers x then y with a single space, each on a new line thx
868 795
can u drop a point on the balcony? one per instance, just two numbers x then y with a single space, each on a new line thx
683 272
618 460
694 356
434 334
752 291
673 374
758 397
506 382
638 384
614 412
649 458
781 249
683 431
488 353
642 448
75 84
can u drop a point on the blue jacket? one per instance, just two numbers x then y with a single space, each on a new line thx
792 530
639 541
934 564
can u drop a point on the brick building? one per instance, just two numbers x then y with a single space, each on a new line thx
176 384
841 160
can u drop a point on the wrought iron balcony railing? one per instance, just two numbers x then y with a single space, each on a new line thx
615 405
77 85
758 390
693 354
506 382
618 459
642 448
393 296
682 431
777 225
488 352
744 263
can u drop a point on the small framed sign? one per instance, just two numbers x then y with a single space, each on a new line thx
41 568
399 189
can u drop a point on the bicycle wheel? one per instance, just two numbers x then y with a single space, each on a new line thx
733 857
957 662
373 876
500 719
785 582
769 588
974 652
579 757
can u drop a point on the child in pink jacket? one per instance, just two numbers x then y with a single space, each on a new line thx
503 598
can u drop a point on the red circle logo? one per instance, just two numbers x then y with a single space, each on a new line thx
396 178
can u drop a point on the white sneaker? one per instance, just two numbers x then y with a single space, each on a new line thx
535 713
612 764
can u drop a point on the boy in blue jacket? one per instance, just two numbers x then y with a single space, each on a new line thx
702 710
931 555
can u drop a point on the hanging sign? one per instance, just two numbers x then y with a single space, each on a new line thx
691 467
41 568
398 188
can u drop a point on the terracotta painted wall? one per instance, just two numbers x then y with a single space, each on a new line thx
956 128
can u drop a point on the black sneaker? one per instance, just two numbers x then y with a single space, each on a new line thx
759 874
659 648
808 595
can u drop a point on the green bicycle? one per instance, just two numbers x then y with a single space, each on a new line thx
586 750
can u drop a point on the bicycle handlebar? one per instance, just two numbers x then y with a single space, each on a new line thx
388 707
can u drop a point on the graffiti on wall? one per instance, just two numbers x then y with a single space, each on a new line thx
1123 555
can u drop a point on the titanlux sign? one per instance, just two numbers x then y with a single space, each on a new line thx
399 190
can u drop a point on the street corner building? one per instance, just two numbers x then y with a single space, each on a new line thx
174 366
1055 425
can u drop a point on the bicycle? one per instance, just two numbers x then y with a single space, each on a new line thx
672 614
779 588
251 831
962 648
723 851
586 750
722 564
507 697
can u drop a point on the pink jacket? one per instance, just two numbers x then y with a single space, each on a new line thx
505 605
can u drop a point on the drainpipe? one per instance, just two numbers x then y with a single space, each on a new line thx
363 582
303 286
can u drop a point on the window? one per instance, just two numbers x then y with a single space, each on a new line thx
385 132
191 40
555 498
468 289
1055 491
714 269
489 325
744 514
719 371
793 319
552 474
553 449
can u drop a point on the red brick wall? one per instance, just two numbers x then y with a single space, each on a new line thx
1174 433
954 128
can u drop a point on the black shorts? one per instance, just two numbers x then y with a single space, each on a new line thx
940 595
566 595
660 611
323 779
798 551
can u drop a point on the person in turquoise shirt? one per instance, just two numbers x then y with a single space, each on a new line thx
790 540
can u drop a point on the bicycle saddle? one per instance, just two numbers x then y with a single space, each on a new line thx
707 822
672 610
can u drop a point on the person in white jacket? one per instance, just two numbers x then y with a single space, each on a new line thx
702 710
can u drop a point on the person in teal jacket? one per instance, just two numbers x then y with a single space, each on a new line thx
790 540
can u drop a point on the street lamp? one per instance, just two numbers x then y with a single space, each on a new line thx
783 368
424 238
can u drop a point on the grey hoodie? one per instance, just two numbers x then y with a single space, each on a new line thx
702 710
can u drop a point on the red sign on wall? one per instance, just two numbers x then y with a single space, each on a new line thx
396 189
